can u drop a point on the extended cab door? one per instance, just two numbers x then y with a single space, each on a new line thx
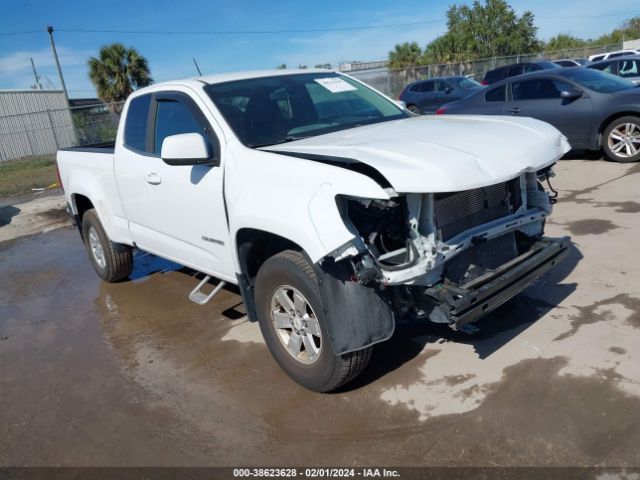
540 98
177 212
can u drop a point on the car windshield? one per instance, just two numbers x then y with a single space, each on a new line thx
462 83
272 110
599 81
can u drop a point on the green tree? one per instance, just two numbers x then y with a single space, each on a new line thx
629 30
405 55
117 72
483 30
564 41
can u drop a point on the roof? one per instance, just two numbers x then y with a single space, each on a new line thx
624 57
228 77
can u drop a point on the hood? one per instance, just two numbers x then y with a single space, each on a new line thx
432 154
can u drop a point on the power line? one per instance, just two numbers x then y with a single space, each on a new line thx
311 30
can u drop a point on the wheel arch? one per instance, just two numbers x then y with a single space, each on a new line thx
614 116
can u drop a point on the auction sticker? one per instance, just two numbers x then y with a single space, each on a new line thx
335 84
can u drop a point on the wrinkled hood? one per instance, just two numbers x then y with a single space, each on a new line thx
442 153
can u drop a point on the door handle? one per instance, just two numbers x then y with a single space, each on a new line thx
153 179
515 110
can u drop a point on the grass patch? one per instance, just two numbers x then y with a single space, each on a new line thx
21 175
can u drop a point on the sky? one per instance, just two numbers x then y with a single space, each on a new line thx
170 55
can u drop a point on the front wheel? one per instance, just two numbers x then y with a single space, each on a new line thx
414 109
291 316
621 139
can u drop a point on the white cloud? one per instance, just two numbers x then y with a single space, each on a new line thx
19 61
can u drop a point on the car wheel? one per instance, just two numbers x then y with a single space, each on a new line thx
113 262
291 316
414 109
621 139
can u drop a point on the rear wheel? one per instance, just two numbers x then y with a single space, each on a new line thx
621 139
113 262
414 109
291 316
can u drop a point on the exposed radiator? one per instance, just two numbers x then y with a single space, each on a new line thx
459 211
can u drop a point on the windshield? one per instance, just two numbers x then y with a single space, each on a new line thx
599 81
271 110
462 83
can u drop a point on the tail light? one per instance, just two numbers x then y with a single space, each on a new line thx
441 110
58 175
484 82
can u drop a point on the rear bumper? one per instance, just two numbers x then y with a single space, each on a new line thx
460 305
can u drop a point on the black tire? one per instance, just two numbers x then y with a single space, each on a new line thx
117 258
329 371
414 109
607 141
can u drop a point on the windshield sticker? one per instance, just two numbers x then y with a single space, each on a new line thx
335 84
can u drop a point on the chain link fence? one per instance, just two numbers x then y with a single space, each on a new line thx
29 141
392 81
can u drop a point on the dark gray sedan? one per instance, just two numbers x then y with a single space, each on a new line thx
592 109
425 96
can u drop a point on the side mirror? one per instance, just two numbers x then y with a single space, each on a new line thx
570 94
401 104
186 149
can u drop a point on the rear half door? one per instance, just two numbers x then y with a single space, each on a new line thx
177 211
540 98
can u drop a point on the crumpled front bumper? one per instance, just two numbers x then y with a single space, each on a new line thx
460 305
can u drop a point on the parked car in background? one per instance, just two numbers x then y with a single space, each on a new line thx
493 76
618 53
426 96
571 62
593 109
626 67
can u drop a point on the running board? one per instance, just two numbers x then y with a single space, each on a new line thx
197 296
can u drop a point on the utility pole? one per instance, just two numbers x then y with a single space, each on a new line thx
55 56
197 67
35 74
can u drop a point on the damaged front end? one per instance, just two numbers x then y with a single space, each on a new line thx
451 257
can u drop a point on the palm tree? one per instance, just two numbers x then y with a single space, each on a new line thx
405 55
117 72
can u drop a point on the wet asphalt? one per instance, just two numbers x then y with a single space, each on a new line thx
98 374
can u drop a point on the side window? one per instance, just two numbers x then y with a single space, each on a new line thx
172 118
629 68
496 94
537 89
442 86
514 70
417 88
608 67
427 87
135 127
531 68
599 57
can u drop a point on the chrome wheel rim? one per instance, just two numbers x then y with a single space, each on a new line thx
624 140
96 247
296 324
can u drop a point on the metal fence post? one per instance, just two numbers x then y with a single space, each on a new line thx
53 129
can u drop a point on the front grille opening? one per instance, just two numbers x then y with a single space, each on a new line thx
456 212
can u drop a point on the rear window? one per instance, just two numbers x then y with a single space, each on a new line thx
497 94
135 127
495 75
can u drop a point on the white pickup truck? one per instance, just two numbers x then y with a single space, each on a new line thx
334 210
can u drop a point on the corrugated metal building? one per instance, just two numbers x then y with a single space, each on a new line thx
34 122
